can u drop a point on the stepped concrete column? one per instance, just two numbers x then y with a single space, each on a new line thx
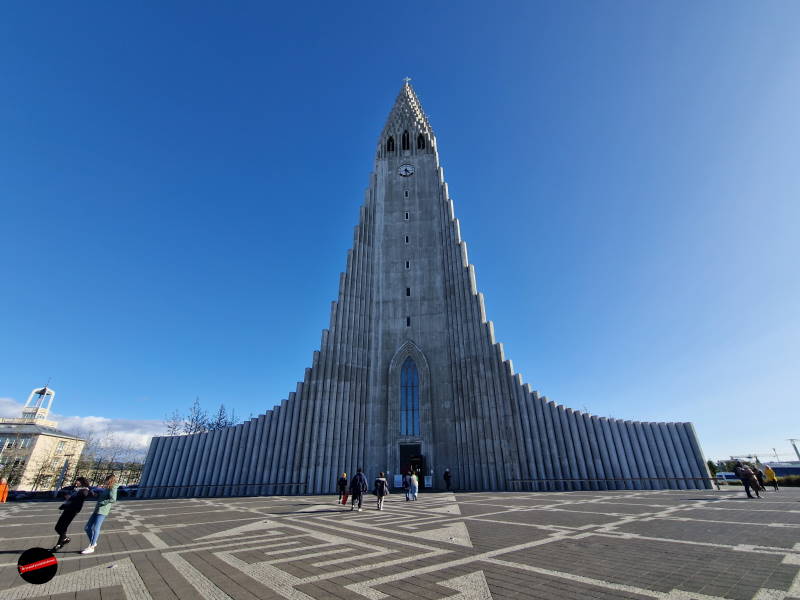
632 452
578 448
602 448
621 454
586 447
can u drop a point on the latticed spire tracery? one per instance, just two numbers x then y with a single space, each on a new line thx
407 114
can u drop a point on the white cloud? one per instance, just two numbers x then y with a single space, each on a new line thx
134 432
10 408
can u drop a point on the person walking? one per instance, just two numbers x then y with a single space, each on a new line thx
3 490
105 498
747 478
447 478
414 485
73 504
759 477
358 485
342 486
770 477
407 485
381 489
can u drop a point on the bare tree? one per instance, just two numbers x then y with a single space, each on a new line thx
12 462
221 419
196 420
174 423
45 471
108 454
13 470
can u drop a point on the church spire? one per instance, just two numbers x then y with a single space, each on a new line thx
407 116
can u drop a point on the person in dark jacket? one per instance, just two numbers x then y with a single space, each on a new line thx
70 508
381 489
747 478
407 485
447 478
342 487
358 486
759 477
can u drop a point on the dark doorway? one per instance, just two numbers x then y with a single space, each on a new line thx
411 459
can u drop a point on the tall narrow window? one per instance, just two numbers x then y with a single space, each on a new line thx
408 264
409 398
408 321
406 216
406 141
408 291
420 142
406 239
405 193
390 144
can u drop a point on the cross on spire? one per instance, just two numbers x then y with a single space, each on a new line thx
406 80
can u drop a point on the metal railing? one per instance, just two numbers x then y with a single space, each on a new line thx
213 489
604 483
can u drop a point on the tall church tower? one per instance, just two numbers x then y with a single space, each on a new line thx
411 421
409 375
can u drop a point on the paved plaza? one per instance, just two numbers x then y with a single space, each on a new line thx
669 544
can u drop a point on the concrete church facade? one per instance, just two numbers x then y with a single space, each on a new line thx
409 375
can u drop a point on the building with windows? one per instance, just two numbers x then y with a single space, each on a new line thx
409 374
34 454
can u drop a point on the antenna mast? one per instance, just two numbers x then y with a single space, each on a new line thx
796 451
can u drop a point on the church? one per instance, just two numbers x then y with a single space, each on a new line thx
409 375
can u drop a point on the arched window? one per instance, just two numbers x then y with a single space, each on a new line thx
390 144
406 141
420 142
409 398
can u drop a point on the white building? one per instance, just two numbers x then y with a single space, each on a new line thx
34 455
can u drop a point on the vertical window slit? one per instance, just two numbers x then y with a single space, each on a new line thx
409 398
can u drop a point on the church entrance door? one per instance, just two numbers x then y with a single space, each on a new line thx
411 459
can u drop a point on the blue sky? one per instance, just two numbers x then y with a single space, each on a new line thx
179 183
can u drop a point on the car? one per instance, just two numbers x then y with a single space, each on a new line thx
127 490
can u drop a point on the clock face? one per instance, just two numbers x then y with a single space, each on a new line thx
406 170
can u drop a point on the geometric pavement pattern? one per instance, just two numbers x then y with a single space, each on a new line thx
466 546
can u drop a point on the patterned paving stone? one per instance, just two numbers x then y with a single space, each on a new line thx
669 545
718 533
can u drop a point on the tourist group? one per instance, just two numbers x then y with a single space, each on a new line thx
357 487
754 478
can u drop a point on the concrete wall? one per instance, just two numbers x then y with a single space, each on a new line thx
408 290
